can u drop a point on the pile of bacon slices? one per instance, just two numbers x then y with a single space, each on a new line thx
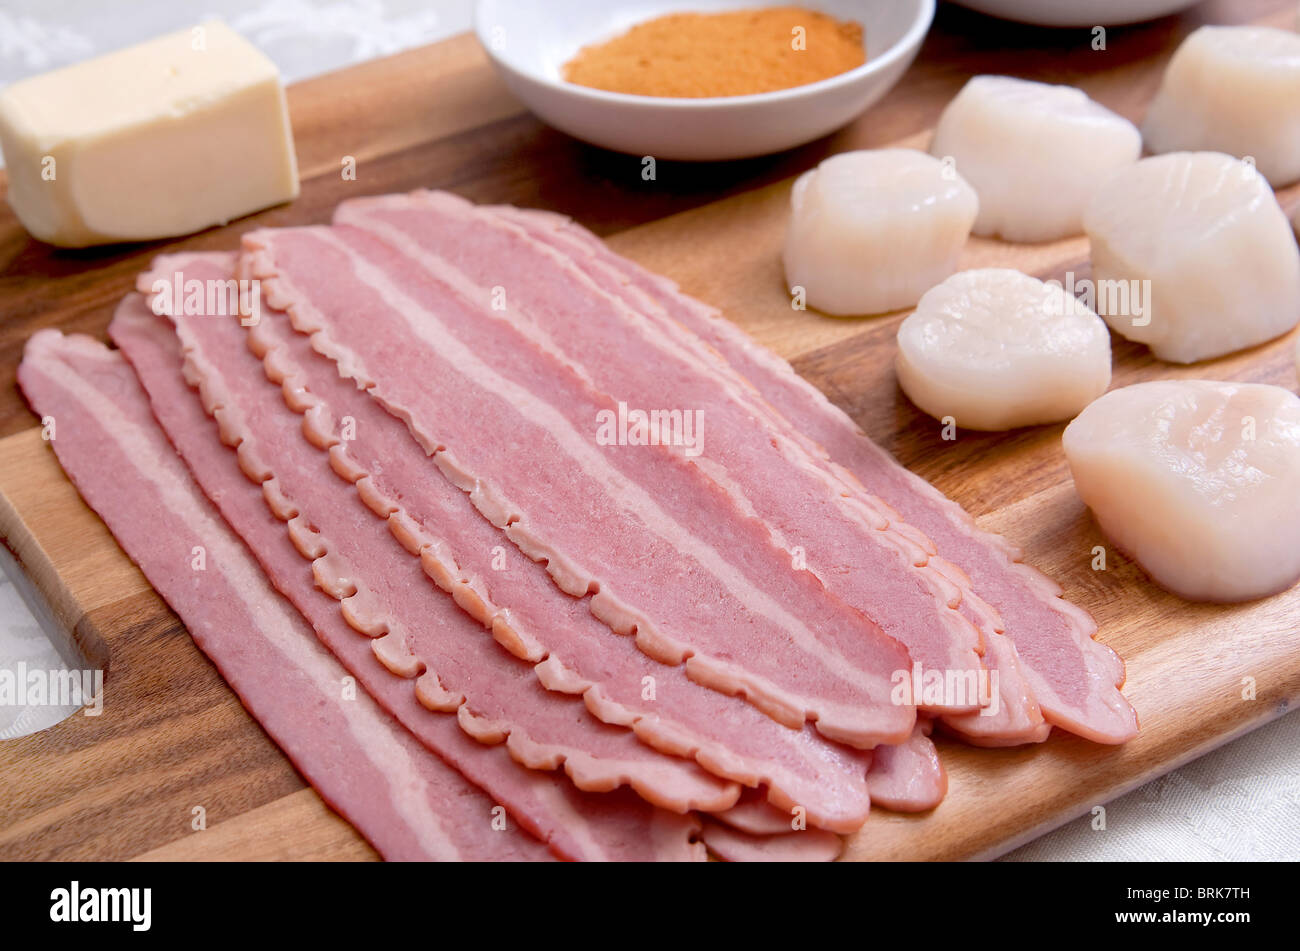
565 649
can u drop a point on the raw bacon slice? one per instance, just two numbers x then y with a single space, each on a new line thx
755 815
405 801
909 777
732 845
1016 718
1073 677
904 778
513 597
663 551
418 632
580 826
845 541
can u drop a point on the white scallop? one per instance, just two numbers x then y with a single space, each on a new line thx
996 349
1233 89
1205 230
1034 153
1198 481
872 231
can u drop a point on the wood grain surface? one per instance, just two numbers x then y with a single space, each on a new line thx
173 737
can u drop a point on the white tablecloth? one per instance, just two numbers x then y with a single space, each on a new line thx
1239 802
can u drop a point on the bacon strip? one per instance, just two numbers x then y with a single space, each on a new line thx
577 825
418 632
732 845
1016 717
1073 678
513 597
909 777
755 815
846 541
406 802
607 521
903 778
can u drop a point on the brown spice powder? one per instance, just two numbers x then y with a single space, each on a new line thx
690 55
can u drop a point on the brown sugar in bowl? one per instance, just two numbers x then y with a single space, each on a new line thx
530 43
729 53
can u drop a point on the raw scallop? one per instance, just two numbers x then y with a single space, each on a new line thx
1034 153
872 231
1233 89
1198 481
996 349
1206 231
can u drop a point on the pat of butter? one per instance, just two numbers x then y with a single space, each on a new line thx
165 138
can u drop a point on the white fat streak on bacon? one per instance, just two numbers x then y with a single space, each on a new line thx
1074 678
865 717
732 845
347 556
576 825
408 803
845 540
723 734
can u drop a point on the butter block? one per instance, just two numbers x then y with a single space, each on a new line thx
169 137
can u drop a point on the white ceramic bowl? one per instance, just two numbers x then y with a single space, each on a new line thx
530 42
1078 12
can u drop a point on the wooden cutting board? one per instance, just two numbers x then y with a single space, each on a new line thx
173 738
